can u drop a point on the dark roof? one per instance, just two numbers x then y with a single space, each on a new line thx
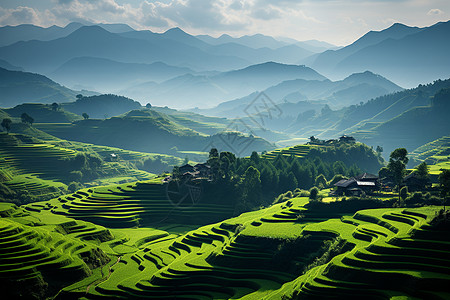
203 165
187 166
344 182
366 176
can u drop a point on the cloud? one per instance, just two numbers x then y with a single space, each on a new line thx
19 15
337 21
435 12
266 13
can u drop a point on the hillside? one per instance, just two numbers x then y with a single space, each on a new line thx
150 131
404 130
32 169
434 151
327 61
406 55
101 106
17 87
43 113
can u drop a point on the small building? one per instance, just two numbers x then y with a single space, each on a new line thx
347 139
356 186
186 168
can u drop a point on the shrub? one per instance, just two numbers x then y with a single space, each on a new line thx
313 193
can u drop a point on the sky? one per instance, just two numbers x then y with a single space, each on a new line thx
339 22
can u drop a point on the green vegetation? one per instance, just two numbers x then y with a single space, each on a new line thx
101 106
128 205
249 183
293 248
34 170
148 130
43 113
17 87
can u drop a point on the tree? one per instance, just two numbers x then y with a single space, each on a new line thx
213 153
55 106
85 116
79 96
444 182
214 163
321 181
422 171
251 186
148 105
26 119
379 149
254 157
397 165
313 193
6 124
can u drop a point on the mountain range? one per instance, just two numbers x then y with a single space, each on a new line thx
354 89
189 70
407 55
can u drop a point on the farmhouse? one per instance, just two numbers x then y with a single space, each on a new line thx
356 186
186 168
347 139
197 172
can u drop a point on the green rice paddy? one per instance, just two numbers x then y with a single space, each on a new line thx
296 151
280 251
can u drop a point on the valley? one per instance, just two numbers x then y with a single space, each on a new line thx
173 164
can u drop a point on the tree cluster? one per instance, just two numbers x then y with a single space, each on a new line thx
253 182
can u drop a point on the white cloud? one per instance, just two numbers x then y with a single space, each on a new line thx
336 21
19 15
435 12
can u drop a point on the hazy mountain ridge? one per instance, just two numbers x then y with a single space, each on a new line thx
352 90
17 87
406 55
108 75
191 90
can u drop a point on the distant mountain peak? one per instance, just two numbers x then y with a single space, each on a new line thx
87 31
175 30
225 36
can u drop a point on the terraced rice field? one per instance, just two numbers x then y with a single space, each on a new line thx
285 250
129 205
395 254
385 252
433 152
31 255
34 159
297 151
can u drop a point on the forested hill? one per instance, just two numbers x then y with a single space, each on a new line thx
17 87
389 106
101 106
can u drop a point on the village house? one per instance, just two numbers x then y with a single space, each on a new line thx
363 184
